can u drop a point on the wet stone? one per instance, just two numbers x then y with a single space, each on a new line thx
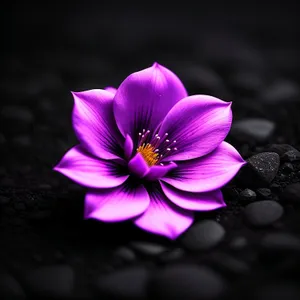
264 193
263 213
259 130
291 156
291 193
188 282
247 195
129 283
54 281
147 248
280 241
263 167
9 287
203 235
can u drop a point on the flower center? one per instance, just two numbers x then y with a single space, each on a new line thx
153 151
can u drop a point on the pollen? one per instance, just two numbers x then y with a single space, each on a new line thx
149 154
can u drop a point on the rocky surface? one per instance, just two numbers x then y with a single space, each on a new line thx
247 250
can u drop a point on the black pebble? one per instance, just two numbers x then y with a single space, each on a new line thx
258 130
280 241
291 156
247 195
261 169
147 248
263 213
264 193
4 200
280 149
291 193
53 281
128 283
125 253
203 235
188 282
9 287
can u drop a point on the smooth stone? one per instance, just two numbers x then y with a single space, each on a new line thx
22 141
172 255
263 213
265 165
17 113
238 243
281 91
247 195
291 156
129 283
249 82
19 206
228 263
147 248
4 200
264 193
125 253
291 193
53 281
278 290
10 288
280 241
280 149
189 282
203 235
259 130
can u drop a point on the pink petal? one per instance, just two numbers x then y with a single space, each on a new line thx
194 201
94 123
111 89
198 124
158 171
144 98
116 204
89 171
163 217
138 166
207 173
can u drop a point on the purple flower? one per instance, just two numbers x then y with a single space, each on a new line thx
151 153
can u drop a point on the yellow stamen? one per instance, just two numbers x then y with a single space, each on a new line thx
148 153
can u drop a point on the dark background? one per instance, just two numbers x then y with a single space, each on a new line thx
246 52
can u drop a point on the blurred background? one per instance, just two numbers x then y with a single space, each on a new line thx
241 51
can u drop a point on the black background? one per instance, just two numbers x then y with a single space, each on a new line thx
240 52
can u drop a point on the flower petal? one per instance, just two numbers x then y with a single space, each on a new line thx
207 173
157 172
138 166
116 204
194 201
111 89
144 99
163 217
128 147
89 171
94 123
198 124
